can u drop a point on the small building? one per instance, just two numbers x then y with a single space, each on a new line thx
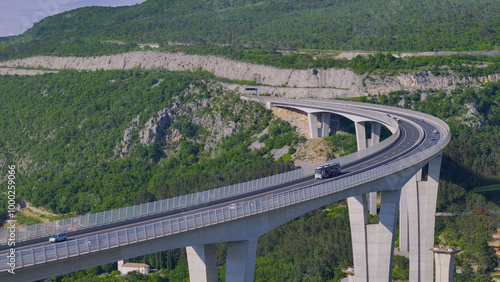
127 267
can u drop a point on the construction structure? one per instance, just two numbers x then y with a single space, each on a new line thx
443 259
349 272
496 242
126 267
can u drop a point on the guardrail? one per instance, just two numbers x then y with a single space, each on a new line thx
73 224
168 227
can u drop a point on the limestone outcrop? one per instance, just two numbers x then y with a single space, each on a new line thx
321 83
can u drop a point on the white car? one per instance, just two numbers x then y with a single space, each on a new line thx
61 236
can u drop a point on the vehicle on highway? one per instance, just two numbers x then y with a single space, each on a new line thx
328 170
61 236
435 131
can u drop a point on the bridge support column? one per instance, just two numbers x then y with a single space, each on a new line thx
240 261
404 226
360 135
313 125
373 244
404 232
334 125
202 262
372 203
421 197
325 124
375 138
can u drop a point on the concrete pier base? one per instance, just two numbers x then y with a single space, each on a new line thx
202 262
240 261
444 258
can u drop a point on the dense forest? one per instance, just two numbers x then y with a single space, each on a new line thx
379 25
65 133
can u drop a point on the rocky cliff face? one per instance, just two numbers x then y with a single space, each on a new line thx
329 83
155 127
191 106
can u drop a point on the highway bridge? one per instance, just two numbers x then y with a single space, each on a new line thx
403 169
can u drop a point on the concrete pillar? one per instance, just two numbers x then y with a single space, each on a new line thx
334 125
202 262
240 261
444 258
404 226
381 262
373 244
421 202
358 217
360 135
375 138
325 124
403 220
372 203
313 125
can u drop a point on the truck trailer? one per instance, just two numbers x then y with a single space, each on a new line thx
327 170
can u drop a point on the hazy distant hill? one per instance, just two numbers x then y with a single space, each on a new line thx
384 25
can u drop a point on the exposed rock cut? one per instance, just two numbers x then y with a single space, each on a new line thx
329 83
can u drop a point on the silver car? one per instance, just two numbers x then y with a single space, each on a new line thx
61 236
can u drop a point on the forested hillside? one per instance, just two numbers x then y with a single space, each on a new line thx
381 25
93 141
